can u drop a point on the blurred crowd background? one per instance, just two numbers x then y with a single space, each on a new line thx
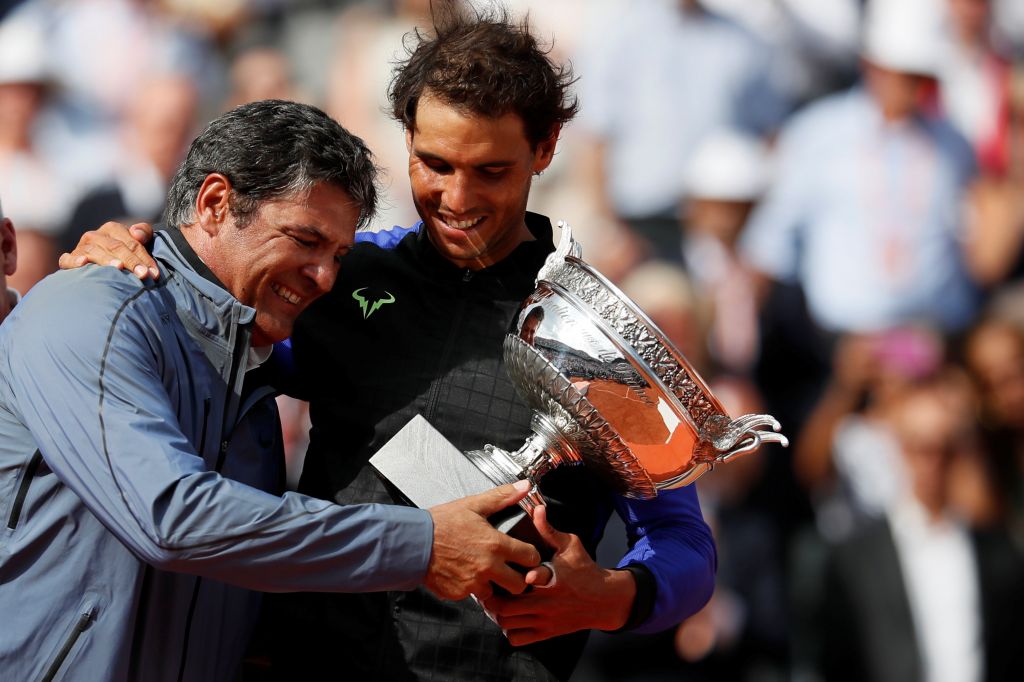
820 201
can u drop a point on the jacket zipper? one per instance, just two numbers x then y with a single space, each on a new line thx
65 649
206 422
221 455
235 367
26 481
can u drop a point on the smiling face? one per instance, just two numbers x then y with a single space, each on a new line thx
470 177
286 256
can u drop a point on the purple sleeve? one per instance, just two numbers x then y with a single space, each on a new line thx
668 537
386 239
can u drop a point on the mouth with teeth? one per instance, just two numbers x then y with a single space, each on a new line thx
286 293
461 224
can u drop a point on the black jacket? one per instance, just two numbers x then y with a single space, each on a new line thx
431 345
865 621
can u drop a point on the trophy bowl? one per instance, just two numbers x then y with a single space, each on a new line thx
610 390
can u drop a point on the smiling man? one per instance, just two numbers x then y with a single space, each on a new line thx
482 107
140 450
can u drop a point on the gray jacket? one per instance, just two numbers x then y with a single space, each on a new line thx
134 465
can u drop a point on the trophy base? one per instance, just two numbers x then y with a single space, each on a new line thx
428 470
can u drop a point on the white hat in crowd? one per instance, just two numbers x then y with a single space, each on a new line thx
23 56
904 35
728 165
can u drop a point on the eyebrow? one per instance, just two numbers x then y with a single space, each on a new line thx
315 233
497 163
308 230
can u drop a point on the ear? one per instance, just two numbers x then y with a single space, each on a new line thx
8 247
213 203
545 152
408 140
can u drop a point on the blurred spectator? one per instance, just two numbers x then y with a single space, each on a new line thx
260 73
159 125
725 178
609 246
8 264
994 357
814 41
866 209
846 455
369 41
972 73
36 198
101 52
847 460
306 32
974 80
220 18
919 595
994 354
655 78
996 232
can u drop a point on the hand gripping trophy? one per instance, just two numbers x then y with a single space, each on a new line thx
607 389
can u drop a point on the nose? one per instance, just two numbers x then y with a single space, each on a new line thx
323 273
458 193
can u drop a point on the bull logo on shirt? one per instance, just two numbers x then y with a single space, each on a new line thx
370 307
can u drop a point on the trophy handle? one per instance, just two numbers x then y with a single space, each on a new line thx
567 246
723 440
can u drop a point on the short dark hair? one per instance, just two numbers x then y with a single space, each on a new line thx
484 63
272 149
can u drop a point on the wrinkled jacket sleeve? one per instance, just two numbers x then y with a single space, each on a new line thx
88 385
668 536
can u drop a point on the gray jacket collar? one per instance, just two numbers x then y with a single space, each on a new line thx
172 250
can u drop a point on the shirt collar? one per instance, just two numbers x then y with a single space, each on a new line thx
257 356
191 257
909 516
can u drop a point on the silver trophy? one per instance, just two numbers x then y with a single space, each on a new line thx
607 389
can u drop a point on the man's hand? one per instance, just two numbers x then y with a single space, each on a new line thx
583 595
116 245
469 554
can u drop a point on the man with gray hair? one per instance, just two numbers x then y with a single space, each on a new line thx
140 459
8 263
